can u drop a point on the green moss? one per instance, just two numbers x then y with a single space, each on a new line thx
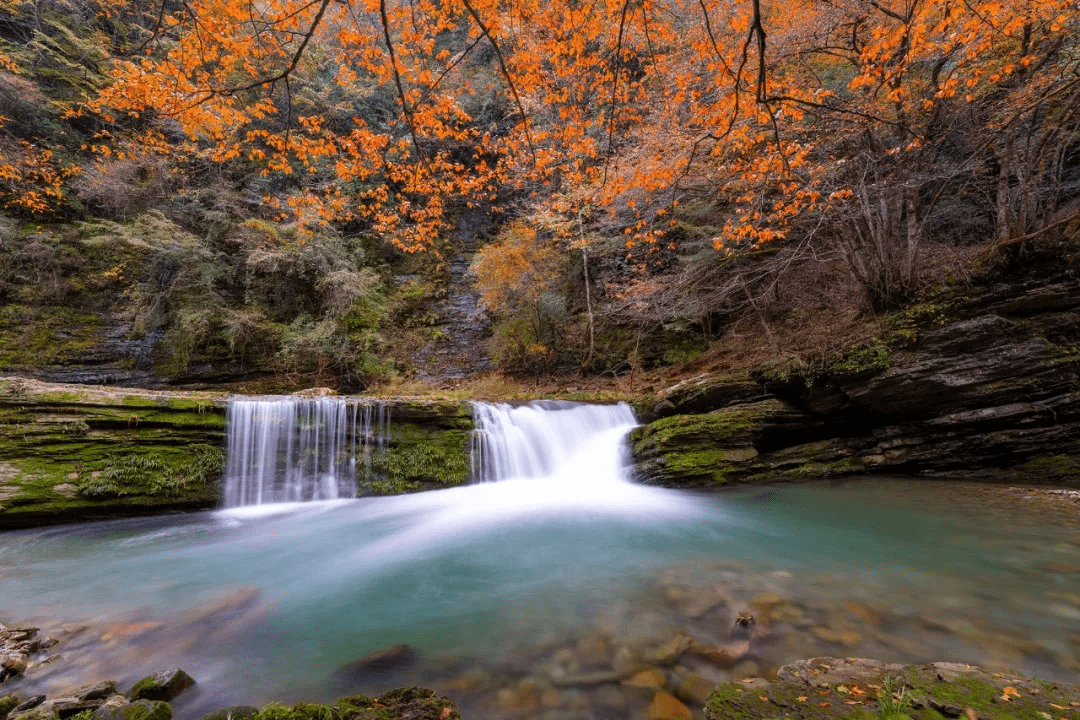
146 710
439 458
140 401
1052 467
860 360
47 335
7 704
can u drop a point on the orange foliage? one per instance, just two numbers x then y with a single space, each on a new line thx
626 107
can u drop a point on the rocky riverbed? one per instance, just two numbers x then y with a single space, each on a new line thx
658 650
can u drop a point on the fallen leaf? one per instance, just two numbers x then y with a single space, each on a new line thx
1011 691
853 702
1059 707
747 680
1046 715
763 698
801 698
998 675
446 712
824 704
857 691
842 689
969 713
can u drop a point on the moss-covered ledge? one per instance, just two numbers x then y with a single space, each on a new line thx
861 689
73 452
428 449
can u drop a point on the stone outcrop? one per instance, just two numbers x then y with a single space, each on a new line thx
859 688
71 452
983 388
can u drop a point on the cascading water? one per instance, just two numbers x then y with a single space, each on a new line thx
297 449
547 438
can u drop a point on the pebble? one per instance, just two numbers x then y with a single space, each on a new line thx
666 706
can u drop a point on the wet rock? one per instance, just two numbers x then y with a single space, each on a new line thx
672 650
666 706
41 711
522 699
610 698
29 703
847 638
376 667
138 710
472 680
594 651
693 688
821 672
652 678
67 707
165 685
234 712
585 679
7 704
725 654
400 704
98 691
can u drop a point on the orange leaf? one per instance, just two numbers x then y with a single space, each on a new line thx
801 698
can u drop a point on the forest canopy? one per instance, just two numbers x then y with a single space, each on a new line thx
681 132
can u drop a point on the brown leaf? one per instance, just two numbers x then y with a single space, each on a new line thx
801 698
824 705
857 691
1011 691
1059 707
763 698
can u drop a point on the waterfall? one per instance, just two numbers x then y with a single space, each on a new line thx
543 438
291 449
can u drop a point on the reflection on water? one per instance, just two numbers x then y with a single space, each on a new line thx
506 590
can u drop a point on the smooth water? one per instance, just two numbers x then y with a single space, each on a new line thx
287 449
494 583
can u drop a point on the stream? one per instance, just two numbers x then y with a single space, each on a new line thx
514 596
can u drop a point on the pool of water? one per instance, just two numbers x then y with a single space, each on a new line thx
503 590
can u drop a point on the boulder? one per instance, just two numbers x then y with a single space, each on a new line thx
164 685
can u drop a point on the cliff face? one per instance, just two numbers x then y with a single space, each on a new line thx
987 388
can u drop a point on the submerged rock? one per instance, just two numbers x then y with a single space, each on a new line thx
377 667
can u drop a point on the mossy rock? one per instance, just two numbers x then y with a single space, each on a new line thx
7 704
862 689
165 685
707 449
76 453
138 710
401 704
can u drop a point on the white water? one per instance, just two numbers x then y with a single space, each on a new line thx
284 450
549 439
